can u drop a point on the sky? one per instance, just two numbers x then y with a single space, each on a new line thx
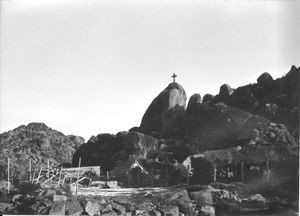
86 67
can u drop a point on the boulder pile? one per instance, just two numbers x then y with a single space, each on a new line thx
33 145
211 200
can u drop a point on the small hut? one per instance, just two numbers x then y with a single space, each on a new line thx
244 164
143 173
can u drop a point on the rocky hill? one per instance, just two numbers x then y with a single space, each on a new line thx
37 142
254 126
260 119
254 116
216 122
276 100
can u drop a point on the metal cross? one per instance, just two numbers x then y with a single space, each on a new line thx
174 76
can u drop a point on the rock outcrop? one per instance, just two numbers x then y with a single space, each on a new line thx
38 143
195 99
214 126
262 140
225 90
276 100
165 114
77 140
243 98
107 149
265 79
208 98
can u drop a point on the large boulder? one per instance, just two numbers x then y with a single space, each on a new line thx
208 98
107 149
204 196
121 210
207 211
195 99
93 208
265 79
243 98
139 143
214 126
77 140
58 208
262 140
258 130
169 210
73 207
165 114
225 90
97 151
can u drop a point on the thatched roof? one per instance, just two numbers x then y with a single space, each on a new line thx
249 154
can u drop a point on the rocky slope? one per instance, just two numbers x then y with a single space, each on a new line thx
37 142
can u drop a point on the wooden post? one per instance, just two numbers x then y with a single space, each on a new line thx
152 175
33 176
161 179
64 179
138 178
107 175
268 172
8 179
78 175
242 172
48 169
129 176
188 175
166 175
29 169
38 178
59 176
215 172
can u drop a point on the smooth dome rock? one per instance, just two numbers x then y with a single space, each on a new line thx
225 90
265 79
208 98
194 100
166 112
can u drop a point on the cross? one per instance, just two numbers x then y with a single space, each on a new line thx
174 76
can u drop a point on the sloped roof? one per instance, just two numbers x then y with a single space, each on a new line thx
249 154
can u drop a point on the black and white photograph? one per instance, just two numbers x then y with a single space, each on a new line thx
149 107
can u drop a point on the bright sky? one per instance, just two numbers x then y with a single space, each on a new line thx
86 67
